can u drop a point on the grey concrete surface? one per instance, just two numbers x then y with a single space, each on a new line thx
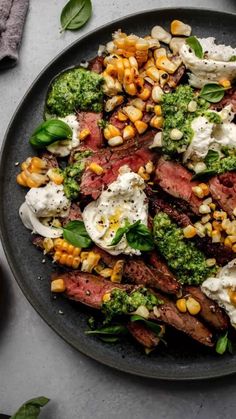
33 359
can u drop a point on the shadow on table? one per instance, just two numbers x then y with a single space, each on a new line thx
6 298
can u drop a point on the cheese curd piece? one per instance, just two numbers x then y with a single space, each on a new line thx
48 201
31 222
208 135
123 200
221 287
63 148
214 67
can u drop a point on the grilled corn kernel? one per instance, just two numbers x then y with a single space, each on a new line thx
199 167
117 271
158 110
232 296
89 263
58 285
142 172
234 211
210 262
153 73
161 34
227 242
216 236
138 103
207 201
192 106
189 231
219 215
106 297
176 44
205 219
149 167
111 131
48 244
149 63
217 225
204 209
157 122
225 83
232 238
131 89
180 28
113 102
163 63
144 94
234 248
193 306
200 229
115 141
121 116
96 168
159 52
140 126
133 113
208 228
157 94
55 176
176 134
181 305
106 273
128 132
84 134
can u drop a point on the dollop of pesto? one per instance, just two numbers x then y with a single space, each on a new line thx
76 89
121 302
72 175
218 162
184 259
176 115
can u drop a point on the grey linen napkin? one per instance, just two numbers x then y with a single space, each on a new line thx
12 19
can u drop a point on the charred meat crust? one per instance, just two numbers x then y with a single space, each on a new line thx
143 335
210 312
223 190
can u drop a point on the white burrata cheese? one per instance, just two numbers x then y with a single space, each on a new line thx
213 67
208 135
220 288
44 202
64 147
123 200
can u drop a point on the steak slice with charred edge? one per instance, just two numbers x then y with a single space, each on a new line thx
228 99
184 322
50 159
218 251
90 120
137 272
143 335
89 289
210 311
223 190
176 180
96 64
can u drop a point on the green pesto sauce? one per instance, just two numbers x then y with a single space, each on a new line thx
184 259
220 164
76 89
72 175
122 303
176 115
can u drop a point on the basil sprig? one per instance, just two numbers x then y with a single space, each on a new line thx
137 235
223 344
156 328
212 92
75 233
31 408
75 14
50 131
195 45
109 334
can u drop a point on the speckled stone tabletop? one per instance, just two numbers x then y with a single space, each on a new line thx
33 359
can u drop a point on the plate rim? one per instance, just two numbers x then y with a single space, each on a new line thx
89 352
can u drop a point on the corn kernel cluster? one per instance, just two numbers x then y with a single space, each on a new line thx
35 173
188 304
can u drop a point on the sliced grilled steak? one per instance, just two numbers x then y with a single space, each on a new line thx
228 99
143 335
116 122
219 251
184 322
159 204
88 289
223 190
74 214
90 120
96 64
210 311
137 272
175 78
176 180
50 159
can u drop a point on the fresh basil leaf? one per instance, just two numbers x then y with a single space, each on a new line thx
221 344
156 328
31 408
119 234
140 238
195 45
205 174
212 92
109 330
75 233
49 132
233 58
75 14
110 339
211 157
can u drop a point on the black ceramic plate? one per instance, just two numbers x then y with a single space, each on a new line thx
182 359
